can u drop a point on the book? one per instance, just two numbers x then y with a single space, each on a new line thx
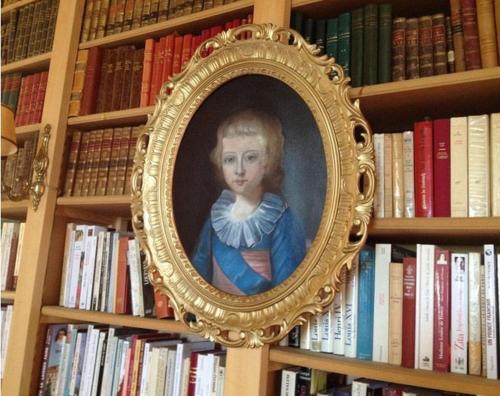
472 54
332 38
351 309
458 34
344 47
370 43
439 54
474 320
441 354
398 49
459 313
411 40
408 178
491 272
147 69
450 50
495 163
441 171
388 164
459 201
478 166
378 144
365 303
395 332
339 313
409 310
78 83
425 48
423 154
92 81
384 42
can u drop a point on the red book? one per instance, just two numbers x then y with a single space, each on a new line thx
147 69
472 53
195 43
91 82
162 308
441 135
186 50
205 35
121 291
176 63
169 57
31 113
228 25
40 97
423 153
409 296
441 348
156 76
19 109
24 117
214 31
193 366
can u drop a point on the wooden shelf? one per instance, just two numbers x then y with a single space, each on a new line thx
8 295
25 130
14 210
7 9
29 65
385 372
395 106
102 209
54 314
113 118
185 24
437 229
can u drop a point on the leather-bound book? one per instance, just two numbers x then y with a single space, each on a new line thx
72 163
411 37
87 18
41 28
147 69
75 98
472 53
187 7
110 23
157 72
40 98
34 32
487 34
117 86
398 49
90 189
126 84
207 4
319 34
104 161
121 168
176 63
384 42
146 9
153 12
439 44
425 55
88 163
344 54
136 131
128 15
80 166
113 162
13 24
197 5
458 34
169 56
103 18
119 16
186 49
108 85
441 136
137 15
370 43
424 172
95 19
450 50
135 89
163 10
332 38
92 81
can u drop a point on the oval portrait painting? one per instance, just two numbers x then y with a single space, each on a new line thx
249 185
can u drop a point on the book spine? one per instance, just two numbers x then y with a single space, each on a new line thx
344 55
370 41
398 49
495 163
395 313
72 163
92 81
425 50
78 83
351 310
491 312
397 175
94 166
459 313
409 303
450 50
316 335
102 19
122 161
388 175
423 169
458 167
425 319
147 69
117 78
474 319
439 44
366 303
384 42
472 53
458 34
478 166
441 136
87 18
332 38
482 285
339 308
327 318
411 40
80 167
408 179
378 143
357 48
441 357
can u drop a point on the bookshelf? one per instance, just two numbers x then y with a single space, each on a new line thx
38 286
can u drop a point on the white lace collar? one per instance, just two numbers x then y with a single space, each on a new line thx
250 231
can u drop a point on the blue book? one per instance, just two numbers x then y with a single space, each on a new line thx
365 302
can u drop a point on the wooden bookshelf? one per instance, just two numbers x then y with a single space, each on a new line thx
104 208
54 314
384 372
183 24
8 295
29 65
113 118
27 130
14 209
7 9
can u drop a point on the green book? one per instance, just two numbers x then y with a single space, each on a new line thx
384 42
309 30
332 37
344 55
370 42
297 21
320 35
357 48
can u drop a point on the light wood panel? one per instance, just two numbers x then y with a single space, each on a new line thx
246 371
112 118
185 24
51 314
29 65
385 372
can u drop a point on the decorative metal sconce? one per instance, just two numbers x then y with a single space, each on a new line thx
36 186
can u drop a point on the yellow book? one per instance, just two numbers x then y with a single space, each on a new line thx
495 163
478 166
458 167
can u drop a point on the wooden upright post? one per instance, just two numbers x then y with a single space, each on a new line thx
275 11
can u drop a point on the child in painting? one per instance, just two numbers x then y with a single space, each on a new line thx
251 242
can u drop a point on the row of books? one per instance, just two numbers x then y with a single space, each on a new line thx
6 319
106 17
100 161
103 270
17 168
29 30
93 359
12 242
445 167
298 381
109 79
31 98
433 310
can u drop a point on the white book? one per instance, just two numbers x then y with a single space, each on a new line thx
171 369
339 317
483 321
162 371
200 373
417 305
213 387
7 235
138 269
109 362
220 380
381 303
351 309
458 167
5 336
495 163
154 358
408 179
66 270
474 313
135 283
479 166
20 243
425 319
96 289
101 349
145 370
208 373
77 260
327 329
491 312
89 361
305 335
112 273
315 342
89 266
378 145
459 313
289 381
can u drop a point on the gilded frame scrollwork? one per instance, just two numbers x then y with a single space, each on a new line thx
345 134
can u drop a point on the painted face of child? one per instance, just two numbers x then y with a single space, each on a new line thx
244 164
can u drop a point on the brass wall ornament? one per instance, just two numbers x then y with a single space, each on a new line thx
34 185
241 296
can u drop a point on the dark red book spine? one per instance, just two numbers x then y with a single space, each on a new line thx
92 81
472 51
147 69
159 53
423 154
409 298
193 365
186 50
121 276
135 89
162 308
40 96
169 57
176 62
441 134
31 114
441 348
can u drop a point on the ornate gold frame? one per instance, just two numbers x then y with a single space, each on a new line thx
263 318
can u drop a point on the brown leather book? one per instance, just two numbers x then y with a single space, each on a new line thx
153 12
458 34
197 5
92 81
118 71
72 163
128 15
135 88
411 38
137 16
472 52
126 76
101 92
88 164
80 166
208 4
450 51
109 80
90 190
439 44
188 7
136 131
110 23
113 162
87 18
75 99
95 19
119 16
398 49
146 9
121 169
36 28
102 19
487 34
104 161
163 11
425 56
